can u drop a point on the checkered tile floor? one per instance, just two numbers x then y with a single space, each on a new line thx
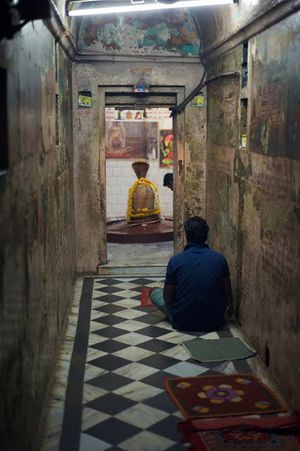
131 349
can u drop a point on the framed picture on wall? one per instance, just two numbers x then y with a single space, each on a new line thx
166 153
131 139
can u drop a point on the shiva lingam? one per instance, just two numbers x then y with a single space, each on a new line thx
143 202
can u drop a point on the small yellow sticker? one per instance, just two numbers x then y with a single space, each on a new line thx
198 101
84 101
244 141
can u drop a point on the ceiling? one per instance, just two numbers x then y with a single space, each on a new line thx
180 33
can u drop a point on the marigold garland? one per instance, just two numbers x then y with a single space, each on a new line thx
142 212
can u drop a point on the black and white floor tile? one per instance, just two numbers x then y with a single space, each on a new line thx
115 397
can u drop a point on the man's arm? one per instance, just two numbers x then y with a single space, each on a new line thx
227 293
169 293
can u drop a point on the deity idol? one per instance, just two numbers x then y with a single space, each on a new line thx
143 202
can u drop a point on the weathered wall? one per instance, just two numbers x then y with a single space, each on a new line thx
37 260
219 24
222 202
272 203
89 174
253 194
195 163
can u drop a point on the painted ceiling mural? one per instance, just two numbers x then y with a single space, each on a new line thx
166 34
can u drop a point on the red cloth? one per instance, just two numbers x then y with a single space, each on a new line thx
242 434
145 297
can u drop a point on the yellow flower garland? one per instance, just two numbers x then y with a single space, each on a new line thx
142 212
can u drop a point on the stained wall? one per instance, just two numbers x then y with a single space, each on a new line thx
252 197
37 259
221 23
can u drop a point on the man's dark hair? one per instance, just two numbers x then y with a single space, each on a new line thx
196 230
168 178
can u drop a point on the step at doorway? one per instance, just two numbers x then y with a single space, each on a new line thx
137 258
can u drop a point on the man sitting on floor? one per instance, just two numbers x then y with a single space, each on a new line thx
197 287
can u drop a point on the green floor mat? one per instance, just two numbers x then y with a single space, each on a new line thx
217 350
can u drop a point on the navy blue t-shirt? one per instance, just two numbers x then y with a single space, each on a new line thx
197 273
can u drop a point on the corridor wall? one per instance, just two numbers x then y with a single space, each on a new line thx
37 259
252 191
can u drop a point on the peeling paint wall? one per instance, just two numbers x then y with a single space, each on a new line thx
252 198
37 260
272 193
164 34
89 139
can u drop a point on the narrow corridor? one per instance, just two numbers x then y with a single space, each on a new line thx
204 91
109 388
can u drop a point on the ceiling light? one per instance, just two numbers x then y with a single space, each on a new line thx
137 7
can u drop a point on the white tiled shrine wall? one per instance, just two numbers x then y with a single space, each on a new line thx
120 175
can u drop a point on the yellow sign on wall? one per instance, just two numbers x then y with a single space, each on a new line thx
198 101
84 99
244 141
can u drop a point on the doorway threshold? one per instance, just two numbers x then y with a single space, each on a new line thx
148 270
137 259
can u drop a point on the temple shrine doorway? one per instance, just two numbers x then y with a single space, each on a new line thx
139 152
137 126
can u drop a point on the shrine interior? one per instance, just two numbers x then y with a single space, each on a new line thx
95 110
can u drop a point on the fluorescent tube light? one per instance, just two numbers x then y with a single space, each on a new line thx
146 7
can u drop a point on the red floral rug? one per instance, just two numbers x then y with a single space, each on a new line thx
145 297
222 395
242 434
